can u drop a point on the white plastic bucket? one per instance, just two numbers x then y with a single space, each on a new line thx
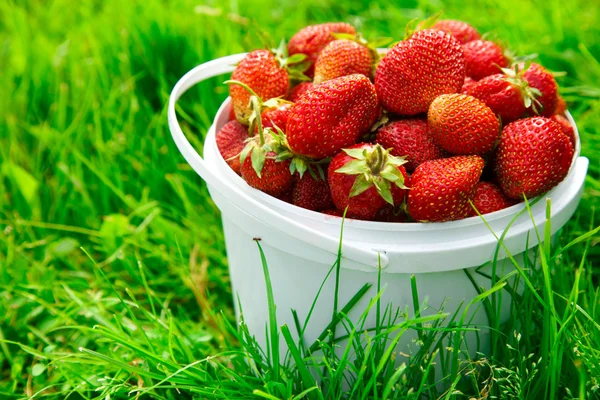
301 245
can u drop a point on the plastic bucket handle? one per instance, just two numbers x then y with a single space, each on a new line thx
315 238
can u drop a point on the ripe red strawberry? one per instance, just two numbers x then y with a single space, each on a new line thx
419 69
541 79
331 116
276 116
275 177
312 39
408 138
343 57
231 140
561 105
483 58
312 193
461 31
261 71
533 156
461 124
365 178
566 127
489 198
441 189
299 90
502 96
468 85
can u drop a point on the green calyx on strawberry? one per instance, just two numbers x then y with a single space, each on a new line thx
372 45
295 64
514 76
257 106
376 167
298 164
418 24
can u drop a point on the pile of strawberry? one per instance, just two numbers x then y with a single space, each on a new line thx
443 126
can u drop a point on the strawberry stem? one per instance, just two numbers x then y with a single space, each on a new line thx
242 84
257 106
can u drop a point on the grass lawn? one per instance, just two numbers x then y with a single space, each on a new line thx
113 272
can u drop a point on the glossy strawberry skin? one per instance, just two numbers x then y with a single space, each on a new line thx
460 30
489 198
540 78
260 71
275 179
312 39
502 97
483 58
312 194
408 138
462 124
365 205
343 57
331 116
276 116
566 127
299 90
415 71
231 140
441 189
533 156
468 85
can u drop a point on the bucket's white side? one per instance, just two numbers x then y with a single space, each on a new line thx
296 282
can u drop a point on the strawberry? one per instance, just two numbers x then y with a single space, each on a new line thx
566 127
561 105
533 156
261 71
312 39
504 97
231 140
274 177
461 124
299 90
343 57
276 116
489 198
483 58
441 189
365 178
460 30
331 116
541 79
408 138
417 70
468 85
312 192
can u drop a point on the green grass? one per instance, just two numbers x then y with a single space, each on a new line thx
113 275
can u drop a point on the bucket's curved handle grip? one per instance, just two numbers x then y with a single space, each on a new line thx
315 238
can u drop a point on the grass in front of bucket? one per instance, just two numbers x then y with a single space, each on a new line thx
86 161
